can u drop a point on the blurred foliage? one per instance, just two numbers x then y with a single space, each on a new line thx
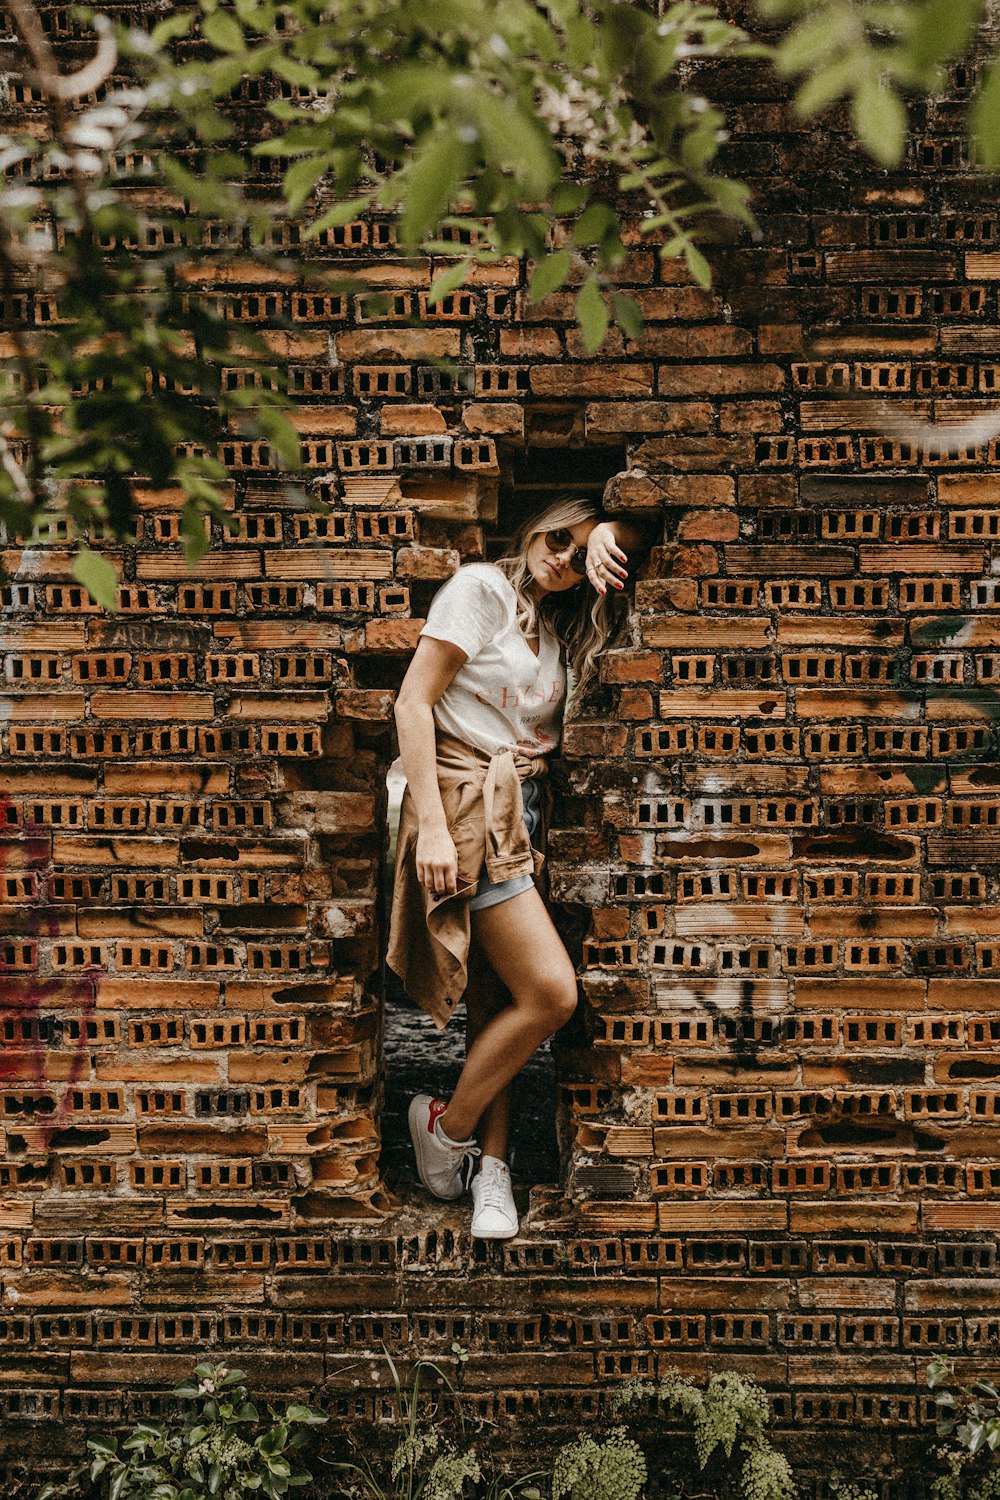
873 54
535 129
512 129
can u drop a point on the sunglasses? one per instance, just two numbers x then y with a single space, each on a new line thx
558 541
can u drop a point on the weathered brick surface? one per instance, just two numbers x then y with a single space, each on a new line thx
780 1115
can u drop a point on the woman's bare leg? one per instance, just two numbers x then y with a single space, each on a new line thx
484 999
522 946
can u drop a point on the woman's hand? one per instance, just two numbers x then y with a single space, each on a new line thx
437 860
605 559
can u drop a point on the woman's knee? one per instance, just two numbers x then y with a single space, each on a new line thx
553 1001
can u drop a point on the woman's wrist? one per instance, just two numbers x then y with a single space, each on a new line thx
432 822
627 535
606 559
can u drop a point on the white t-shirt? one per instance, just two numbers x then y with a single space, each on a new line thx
504 696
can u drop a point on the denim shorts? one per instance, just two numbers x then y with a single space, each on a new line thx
491 892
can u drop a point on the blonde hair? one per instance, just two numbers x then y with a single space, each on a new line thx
582 627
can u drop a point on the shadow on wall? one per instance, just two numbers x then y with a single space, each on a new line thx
419 1059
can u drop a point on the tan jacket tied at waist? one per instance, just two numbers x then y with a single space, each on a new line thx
429 934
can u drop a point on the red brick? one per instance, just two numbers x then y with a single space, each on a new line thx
530 343
592 380
409 420
709 526
369 346
505 417
719 380
750 416
722 1218
860 1218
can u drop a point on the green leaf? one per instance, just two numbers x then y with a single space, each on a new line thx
515 141
446 281
879 120
341 213
282 435
592 316
942 31
581 42
259 17
825 85
429 185
593 224
413 90
303 75
698 265
628 315
568 198
307 1414
197 541
169 30
100 580
550 274
824 35
224 32
301 177
984 117
732 198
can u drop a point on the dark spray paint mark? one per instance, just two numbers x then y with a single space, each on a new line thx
39 992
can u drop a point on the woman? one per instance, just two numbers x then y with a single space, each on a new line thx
479 710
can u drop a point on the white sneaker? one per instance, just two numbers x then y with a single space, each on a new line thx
440 1161
494 1216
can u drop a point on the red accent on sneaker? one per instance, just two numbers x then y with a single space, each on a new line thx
435 1110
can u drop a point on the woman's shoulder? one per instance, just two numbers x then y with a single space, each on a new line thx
476 600
480 580
487 574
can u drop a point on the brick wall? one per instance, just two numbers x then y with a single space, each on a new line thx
779 1111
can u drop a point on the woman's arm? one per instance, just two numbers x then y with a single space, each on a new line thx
433 666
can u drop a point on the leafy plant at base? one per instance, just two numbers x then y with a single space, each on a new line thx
610 1468
422 1464
970 1416
731 1414
849 1489
214 1447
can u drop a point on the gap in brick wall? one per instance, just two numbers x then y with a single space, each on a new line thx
531 478
419 1058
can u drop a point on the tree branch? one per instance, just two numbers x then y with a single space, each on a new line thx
63 86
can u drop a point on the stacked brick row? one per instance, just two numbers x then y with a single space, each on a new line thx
779 1110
